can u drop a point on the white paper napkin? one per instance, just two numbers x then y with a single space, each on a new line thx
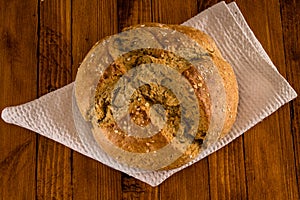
262 91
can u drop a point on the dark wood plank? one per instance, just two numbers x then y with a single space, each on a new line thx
226 166
190 183
175 12
263 19
290 16
18 72
54 160
136 189
55 69
227 172
202 5
131 13
92 20
186 183
269 158
262 164
54 171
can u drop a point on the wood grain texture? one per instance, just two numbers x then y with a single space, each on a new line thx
130 13
227 172
226 166
92 20
193 183
175 12
290 16
42 43
18 78
179 186
265 180
54 176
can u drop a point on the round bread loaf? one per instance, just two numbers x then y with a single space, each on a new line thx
156 95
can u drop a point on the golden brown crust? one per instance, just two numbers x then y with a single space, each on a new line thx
229 81
148 95
225 69
151 94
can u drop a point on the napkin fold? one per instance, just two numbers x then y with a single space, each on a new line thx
262 91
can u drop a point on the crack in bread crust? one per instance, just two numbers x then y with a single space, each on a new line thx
101 114
148 94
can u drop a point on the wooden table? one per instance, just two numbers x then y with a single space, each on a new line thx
42 43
